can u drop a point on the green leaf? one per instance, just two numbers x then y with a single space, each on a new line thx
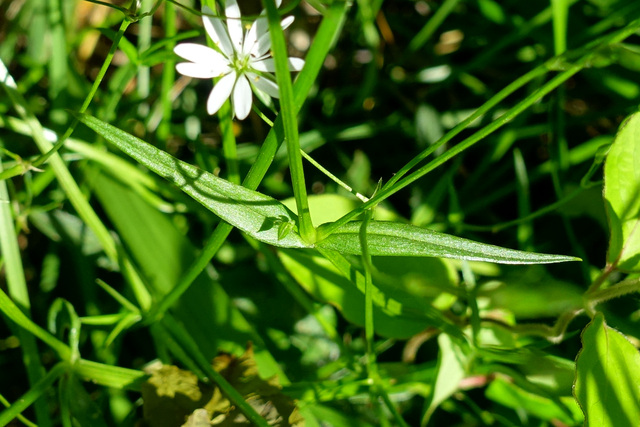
452 368
254 213
392 238
622 195
607 384
331 278
512 396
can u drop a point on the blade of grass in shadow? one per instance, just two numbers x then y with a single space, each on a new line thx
288 112
11 310
63 175
108 375
324 40
17 287
182 336
38 389
48 149
569 69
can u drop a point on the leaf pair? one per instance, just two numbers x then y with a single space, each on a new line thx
269 221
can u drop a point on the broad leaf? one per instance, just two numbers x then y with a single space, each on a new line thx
331 279
622 194
607 384
392 238
256 214
512 396
452 368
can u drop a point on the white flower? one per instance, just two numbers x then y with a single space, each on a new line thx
243 60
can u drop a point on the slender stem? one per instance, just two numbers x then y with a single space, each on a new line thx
17 288
229 143
368 295
11 310
432 25
94 88
33 394
587 53
168 72
333 177
182 336
326 35
288 113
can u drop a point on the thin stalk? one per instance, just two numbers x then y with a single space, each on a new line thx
333 177
369 330
17 287
432 25
19 417
168 72
20 168
184 339
11 310
325 38
483 109
288 113
229 148
296 292
559 79
33 394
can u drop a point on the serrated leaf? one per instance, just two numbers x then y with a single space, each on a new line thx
607 384
622 195
396 239
255 213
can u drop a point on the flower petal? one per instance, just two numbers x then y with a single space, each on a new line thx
263 43
267 86
234 24
268 65
217 31
259 27
242 98
206 62
220 92
200 71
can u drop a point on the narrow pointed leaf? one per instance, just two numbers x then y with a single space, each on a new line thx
256 214
622 195
607 382
396 239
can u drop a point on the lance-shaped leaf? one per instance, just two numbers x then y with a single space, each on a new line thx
622 195
258 215
393 238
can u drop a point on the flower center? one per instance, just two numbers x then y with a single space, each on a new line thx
241 63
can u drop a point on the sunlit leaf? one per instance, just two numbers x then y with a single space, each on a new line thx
607 384
396 239
622 194
254 213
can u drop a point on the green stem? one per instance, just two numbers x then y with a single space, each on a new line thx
229 148
11 310
17 287
333 177
571 70
623 288
368 294
324 39
432 25
33 394
191 347
168 71
288 113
